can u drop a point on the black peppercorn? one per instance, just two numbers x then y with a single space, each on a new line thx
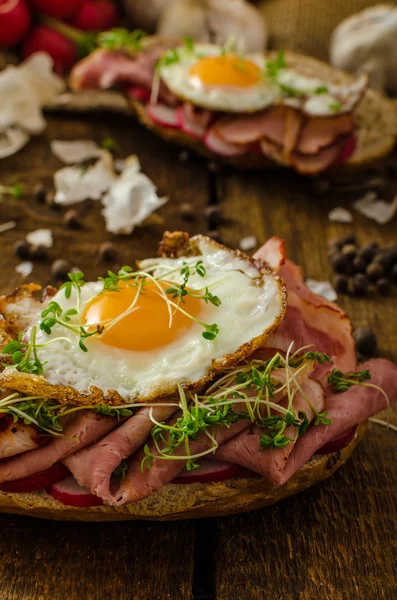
71 219
341 284
375 271
366 341
39 193
60 268
394 273
349 250
22 249
350 238
341 263
367 253
383 286
39 252
360 285
359 264
187 212
107 252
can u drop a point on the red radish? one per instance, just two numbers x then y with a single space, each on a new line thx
163 115
340 441
191 128
139 93
219 146
62 50
14 22
209 471
69 492
59 9
109 13
347 150
38 481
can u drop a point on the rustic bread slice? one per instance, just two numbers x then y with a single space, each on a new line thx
182 501
375 116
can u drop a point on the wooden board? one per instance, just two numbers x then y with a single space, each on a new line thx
336 541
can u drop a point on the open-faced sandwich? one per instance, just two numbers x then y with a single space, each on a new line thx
204 383
252 110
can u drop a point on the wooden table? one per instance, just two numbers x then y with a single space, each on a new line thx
336 541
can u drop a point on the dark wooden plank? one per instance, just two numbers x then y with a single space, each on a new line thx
49 560
337 540
43 560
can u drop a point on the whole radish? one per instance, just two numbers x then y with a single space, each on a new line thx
62 50
14 22
59 9
96 15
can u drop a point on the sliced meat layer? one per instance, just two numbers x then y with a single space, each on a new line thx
138 484
93 466
245 449
83 429
311 164
346 409
320 132
16 438
246 129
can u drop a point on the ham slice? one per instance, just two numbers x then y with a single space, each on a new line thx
83 429
319 132
245 449
309 318
250 128
105 68
272 252
93 466
346 409
311 164
138 485
16 438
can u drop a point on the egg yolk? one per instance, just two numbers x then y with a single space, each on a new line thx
226 70
145 328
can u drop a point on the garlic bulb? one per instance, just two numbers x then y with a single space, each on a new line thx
215 21
367 42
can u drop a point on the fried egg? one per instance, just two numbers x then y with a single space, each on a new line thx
215 80
143 341
211 78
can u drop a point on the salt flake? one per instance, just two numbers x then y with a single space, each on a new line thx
132 197
75 184
12 140
380 211
340 215
248 243
322 288
75 151
40 237
24 268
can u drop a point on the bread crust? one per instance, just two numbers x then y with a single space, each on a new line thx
187 501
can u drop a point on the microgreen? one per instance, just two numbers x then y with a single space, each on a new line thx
118 38
14 190
342 381
273 67
109 143
121 471
322 419
189 44
113 411
24 355
170 57
335 106
277 440
322 89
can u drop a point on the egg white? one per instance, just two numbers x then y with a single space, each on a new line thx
252 302
251 99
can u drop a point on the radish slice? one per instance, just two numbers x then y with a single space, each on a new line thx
347 150
163 115
219 146
191 128
139 93
38 481
340 441
209 471
69 492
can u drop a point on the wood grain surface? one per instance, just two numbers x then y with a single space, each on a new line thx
336 541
